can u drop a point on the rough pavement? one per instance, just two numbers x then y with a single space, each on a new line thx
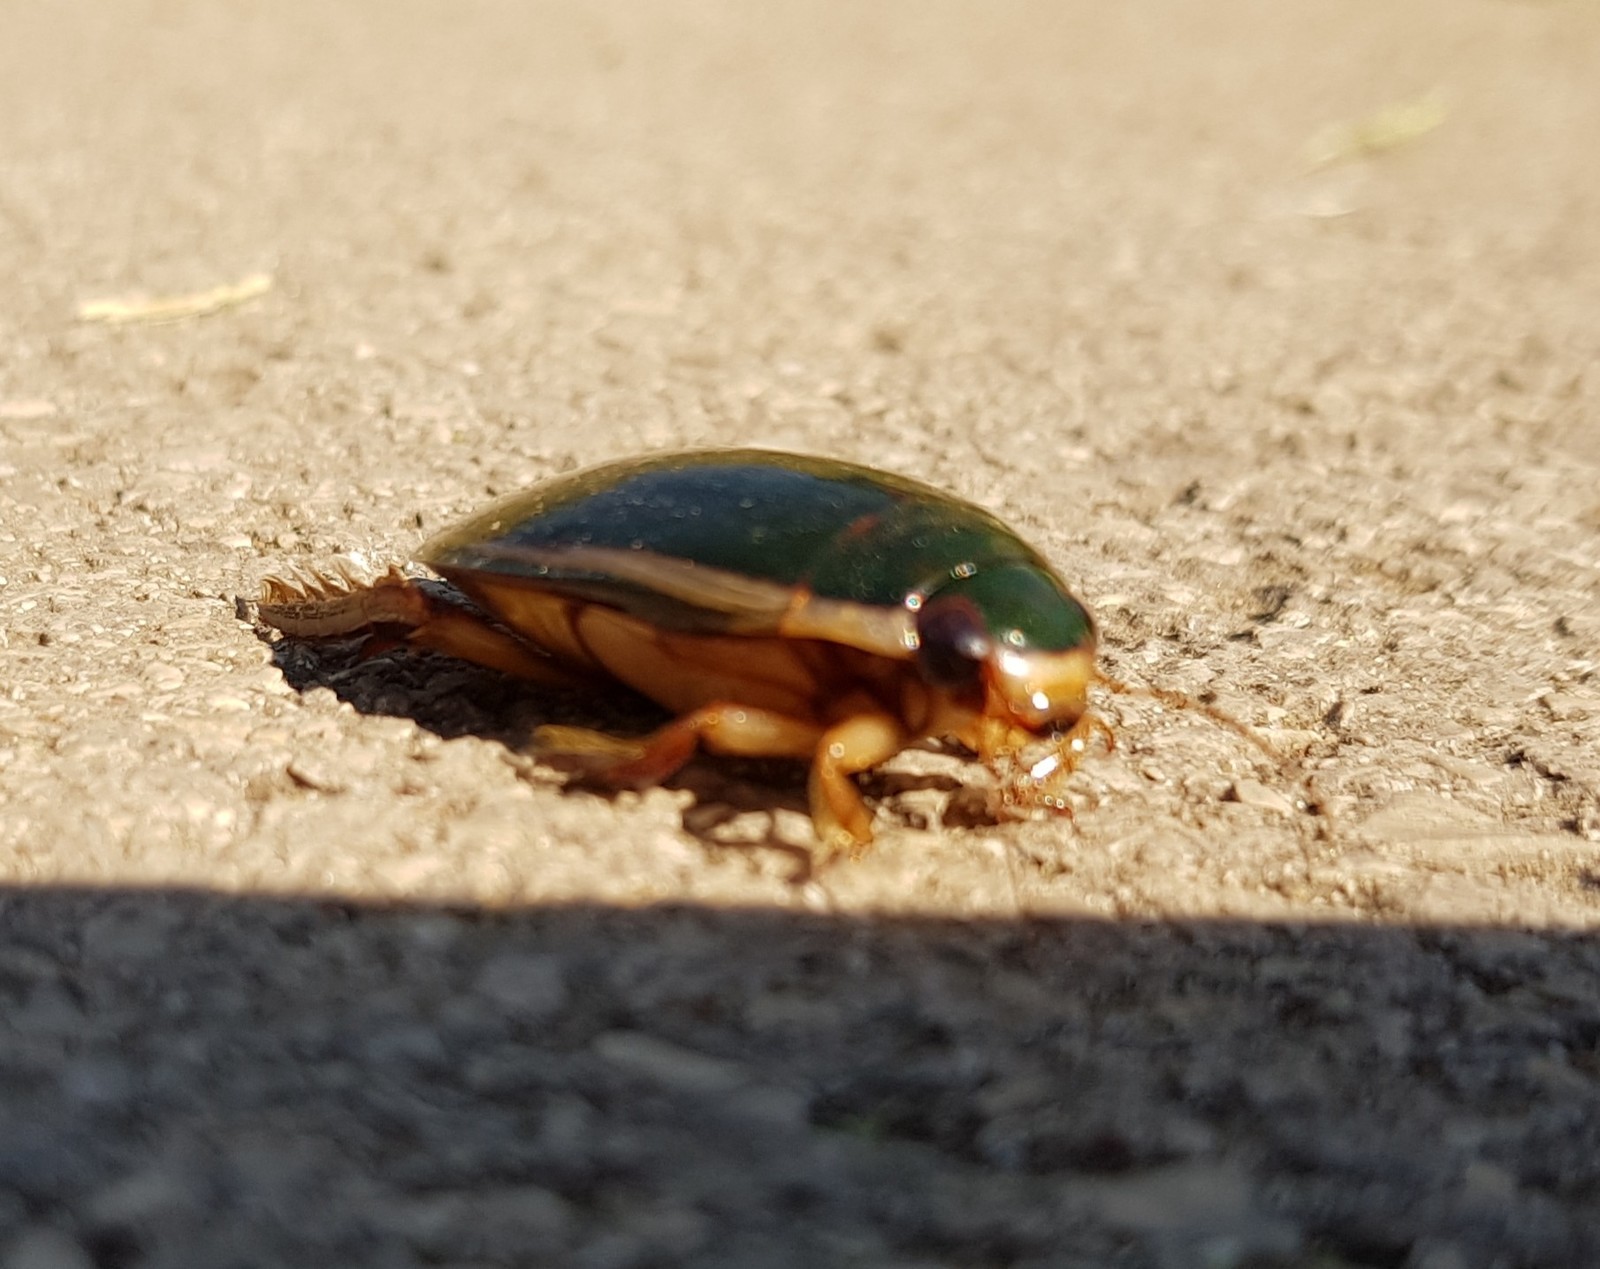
1274 327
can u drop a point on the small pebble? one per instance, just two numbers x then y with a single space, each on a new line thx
311 774
1254 793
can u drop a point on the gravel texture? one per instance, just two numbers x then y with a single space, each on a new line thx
1274 326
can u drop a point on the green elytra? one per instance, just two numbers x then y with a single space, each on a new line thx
834 529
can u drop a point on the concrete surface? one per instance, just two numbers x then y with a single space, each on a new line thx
304 963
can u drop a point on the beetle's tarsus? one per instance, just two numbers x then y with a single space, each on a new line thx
614 761
583 742
1025 789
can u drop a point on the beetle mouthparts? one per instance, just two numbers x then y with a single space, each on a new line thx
1034 785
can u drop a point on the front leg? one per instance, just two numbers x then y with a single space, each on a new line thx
857 743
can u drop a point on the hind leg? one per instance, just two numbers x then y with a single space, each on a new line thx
394 611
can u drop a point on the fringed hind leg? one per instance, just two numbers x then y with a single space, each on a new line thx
393 610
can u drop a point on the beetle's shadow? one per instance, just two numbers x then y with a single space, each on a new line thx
736 801
449 697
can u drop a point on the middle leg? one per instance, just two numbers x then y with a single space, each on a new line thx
735 730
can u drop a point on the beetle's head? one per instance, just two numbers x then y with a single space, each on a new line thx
1011 645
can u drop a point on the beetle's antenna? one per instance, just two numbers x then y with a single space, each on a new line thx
1181 700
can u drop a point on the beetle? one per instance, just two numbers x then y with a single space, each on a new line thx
779 605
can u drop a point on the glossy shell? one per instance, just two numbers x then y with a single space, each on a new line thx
760 542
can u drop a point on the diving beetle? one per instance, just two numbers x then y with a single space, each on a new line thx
779 605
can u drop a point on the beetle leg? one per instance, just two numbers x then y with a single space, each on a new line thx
735 730
458 633
838 813
392 610
1031 787
861 741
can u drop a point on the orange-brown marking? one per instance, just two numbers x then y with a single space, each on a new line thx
840 707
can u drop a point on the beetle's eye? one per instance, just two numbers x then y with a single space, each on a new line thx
953 643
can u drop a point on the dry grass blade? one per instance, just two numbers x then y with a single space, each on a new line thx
1388 128
124 310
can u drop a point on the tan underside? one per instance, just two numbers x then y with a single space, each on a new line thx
842 708
680 672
